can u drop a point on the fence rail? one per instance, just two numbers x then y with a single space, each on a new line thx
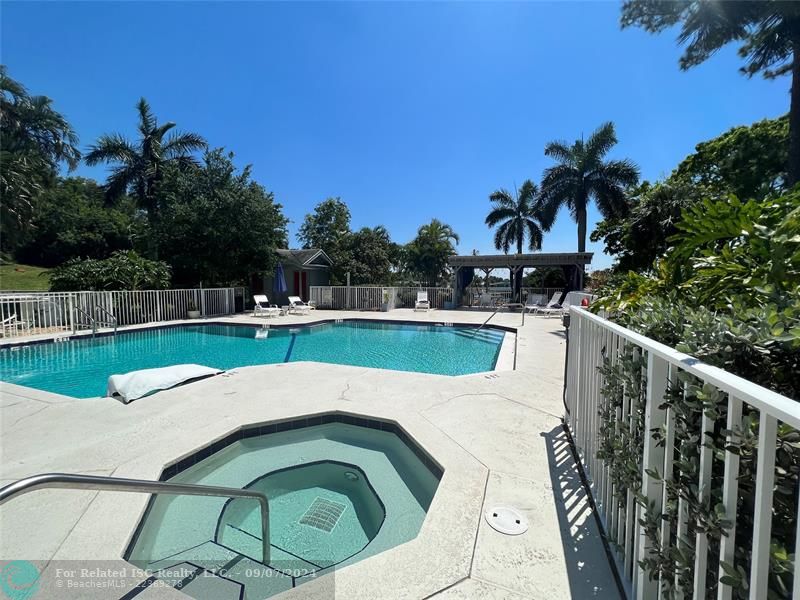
343 297
592 340
32 313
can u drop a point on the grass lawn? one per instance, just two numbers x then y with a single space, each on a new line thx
23 277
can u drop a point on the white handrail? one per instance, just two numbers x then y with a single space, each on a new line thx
592 339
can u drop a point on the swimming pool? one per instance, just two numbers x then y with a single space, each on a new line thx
338 493
80 366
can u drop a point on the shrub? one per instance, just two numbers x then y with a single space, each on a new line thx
728 293
123 270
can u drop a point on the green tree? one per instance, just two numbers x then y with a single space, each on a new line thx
219 226
36 140
70 220
581 175
769 32
519 216
370 252
746 161
139 167
428 252
328 228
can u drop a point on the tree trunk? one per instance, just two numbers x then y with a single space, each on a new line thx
581 218
794 119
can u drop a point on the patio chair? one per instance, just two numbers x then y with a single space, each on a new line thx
11 324
422 302
263 307
551 308
486 300
297 306
535 302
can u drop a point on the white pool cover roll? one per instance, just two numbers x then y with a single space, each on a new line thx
137 384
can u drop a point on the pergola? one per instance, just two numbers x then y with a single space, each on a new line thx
573 263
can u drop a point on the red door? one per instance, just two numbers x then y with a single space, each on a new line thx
304 294
296 284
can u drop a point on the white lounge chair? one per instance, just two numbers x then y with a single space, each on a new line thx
12 324
422 302
263 307
535 302
551 307
296 305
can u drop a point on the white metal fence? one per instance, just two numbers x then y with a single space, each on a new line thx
590 338
343 297
29 313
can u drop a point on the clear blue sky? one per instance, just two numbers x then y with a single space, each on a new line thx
407 111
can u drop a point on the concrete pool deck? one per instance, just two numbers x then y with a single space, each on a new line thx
498 436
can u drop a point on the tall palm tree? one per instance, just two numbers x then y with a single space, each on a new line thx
582 175
519 216
139 167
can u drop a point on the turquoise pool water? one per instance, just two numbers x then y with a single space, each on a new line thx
80 367
338 493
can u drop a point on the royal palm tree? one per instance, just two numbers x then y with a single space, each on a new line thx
519 216
139 167
769 33
582 175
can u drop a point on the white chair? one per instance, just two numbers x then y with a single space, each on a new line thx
422 302
263 307
535 302
551 307
12 324
297 306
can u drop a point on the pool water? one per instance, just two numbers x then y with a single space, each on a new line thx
80 367
338 494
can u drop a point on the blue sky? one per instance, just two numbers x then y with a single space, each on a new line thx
408 111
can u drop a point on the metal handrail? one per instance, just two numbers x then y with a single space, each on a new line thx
108 313
96 482
92 322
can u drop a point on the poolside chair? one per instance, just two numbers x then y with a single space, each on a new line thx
535 302
297 306
422 302
11 324
263 307
551 308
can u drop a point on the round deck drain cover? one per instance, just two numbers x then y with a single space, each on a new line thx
506 519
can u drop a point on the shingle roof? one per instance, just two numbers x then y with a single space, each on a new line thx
300 258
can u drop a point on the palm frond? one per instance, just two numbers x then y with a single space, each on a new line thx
499 213
535 235
601 141
111 148
181 144
560 151
147 120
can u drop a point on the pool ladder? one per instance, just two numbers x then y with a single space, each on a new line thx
110 323
96 482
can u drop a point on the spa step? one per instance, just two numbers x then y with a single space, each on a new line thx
211 570
280 559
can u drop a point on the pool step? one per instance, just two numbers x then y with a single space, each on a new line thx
280 559
212 571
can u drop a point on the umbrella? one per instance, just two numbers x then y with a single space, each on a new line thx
280 287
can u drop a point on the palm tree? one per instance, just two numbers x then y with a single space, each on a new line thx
582 175
427 253
769 33
519 216
36 139
139 167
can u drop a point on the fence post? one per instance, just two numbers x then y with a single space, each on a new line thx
71 309
652 462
